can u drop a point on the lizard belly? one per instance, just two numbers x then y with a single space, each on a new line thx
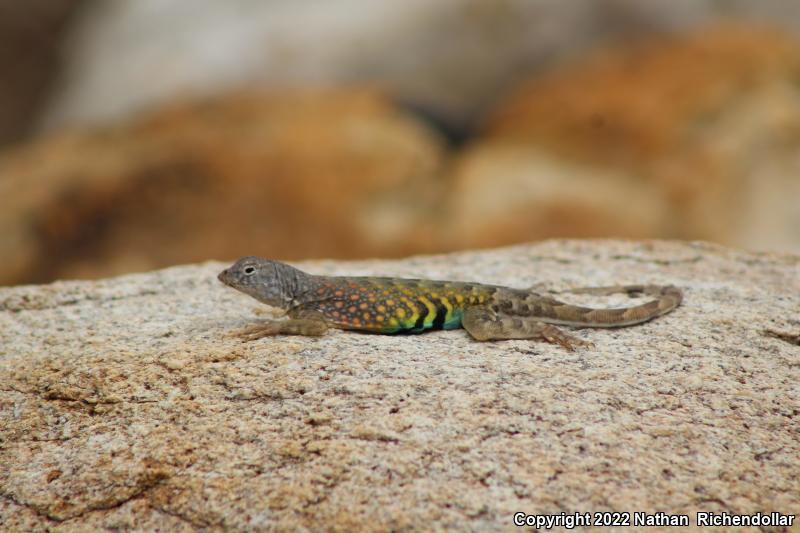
390 315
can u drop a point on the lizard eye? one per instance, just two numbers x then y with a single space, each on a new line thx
249 270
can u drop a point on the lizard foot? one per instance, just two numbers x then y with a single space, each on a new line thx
568 342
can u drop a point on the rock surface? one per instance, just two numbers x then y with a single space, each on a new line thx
125 403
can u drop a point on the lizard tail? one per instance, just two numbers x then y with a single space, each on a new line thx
666 298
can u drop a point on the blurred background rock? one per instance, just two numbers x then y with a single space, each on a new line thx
136 134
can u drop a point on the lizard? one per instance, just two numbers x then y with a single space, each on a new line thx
399 305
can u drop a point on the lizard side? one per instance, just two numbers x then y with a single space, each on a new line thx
397 305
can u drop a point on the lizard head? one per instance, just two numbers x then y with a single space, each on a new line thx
267 281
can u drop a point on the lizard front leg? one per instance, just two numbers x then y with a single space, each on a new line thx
484 324
303 322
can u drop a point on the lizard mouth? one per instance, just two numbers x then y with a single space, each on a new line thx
224 277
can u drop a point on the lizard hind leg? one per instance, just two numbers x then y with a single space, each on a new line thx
483 324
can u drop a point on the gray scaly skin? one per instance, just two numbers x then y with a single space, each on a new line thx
396 305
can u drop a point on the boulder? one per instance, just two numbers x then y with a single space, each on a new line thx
709 119
505 193
325 172
129 403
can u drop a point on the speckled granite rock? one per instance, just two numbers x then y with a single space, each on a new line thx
125 403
